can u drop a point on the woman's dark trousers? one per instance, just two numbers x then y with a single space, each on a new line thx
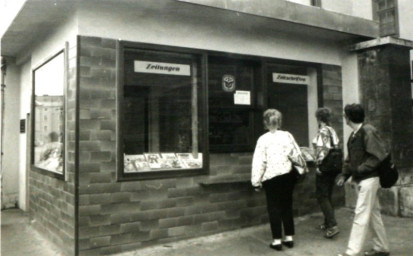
324 190
279 193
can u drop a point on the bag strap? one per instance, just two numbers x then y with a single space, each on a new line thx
331 138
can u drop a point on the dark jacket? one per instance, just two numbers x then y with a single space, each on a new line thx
365 152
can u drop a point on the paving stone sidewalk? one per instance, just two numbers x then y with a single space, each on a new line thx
18 238
308 240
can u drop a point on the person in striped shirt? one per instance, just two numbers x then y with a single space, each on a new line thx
325 139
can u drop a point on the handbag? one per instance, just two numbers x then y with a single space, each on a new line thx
299 177
333 161
388 173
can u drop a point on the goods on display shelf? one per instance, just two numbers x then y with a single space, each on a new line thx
136 163
170 160
189 160
161 161
153 160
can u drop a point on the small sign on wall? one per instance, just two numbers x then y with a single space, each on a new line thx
22 125
289 78
162 68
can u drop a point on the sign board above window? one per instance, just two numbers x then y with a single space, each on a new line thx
290 78
162 68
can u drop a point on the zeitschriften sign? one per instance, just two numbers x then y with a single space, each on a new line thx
162 68
289 78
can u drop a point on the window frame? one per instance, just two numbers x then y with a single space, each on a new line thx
122 46
60 176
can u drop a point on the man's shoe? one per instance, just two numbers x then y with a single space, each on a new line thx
331 232
289 244
373 252
277 247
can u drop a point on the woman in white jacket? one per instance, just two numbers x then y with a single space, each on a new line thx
275 155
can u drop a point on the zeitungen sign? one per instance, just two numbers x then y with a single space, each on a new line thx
161 68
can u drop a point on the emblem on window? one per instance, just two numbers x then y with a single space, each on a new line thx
228 83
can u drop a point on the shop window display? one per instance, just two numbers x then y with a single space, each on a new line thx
161 104
48 115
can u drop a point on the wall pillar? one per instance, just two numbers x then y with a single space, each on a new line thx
384 74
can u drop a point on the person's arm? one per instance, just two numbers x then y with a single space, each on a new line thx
258 164
345 173
320 147
376 150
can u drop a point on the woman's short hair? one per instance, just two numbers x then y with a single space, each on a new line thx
323 114
354 112
272 118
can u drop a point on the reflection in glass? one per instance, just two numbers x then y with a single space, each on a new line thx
49 115
231 124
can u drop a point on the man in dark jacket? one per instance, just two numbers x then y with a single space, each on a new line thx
365 152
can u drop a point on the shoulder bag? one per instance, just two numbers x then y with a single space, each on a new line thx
388 173
333 161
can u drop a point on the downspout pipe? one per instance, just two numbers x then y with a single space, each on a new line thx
2 106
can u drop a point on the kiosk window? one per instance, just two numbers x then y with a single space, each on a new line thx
232 88
160 120
288 92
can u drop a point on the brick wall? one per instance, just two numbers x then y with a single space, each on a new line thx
103 204
333 96
52 201
121 216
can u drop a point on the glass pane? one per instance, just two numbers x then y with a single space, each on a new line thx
291 99
231 116
161 106
49 115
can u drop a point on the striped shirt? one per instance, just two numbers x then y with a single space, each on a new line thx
322 143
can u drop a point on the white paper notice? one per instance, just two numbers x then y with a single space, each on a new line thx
242 98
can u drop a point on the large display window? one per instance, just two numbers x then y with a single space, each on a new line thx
176 106
48 116
161 104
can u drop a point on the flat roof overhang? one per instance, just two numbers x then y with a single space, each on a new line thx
309 16
37 18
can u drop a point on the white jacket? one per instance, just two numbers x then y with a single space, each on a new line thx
274 155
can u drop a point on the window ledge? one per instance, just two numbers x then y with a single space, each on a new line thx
235 178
